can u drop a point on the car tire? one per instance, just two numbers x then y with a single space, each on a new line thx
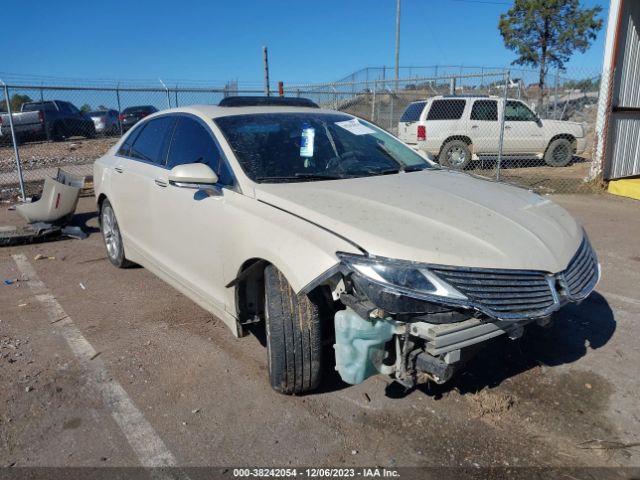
111 236
455 154
58 133
294 344
559 153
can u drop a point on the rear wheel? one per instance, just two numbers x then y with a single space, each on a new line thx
112 237
59 132
455 154
559 153
293 336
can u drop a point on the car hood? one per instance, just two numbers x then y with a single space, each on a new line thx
558 126
436 216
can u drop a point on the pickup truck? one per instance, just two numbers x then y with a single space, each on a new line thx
52 119
458 129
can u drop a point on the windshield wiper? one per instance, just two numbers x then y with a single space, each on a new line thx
303 176
415 168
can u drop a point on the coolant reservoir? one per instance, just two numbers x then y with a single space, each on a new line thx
359 345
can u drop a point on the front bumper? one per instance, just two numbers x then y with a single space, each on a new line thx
581 145
430 333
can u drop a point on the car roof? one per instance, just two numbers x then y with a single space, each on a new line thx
462 97
215 111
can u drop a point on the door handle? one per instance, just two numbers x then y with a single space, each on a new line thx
474 126
161 183
119 169
507 127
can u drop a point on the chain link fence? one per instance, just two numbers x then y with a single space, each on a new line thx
485 121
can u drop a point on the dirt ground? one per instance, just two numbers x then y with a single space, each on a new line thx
565 396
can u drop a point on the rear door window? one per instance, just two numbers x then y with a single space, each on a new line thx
446 109
152 142
518 112
413 111
32 107
485 110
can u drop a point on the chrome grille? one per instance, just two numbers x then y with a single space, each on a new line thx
503 293
581 275
515 294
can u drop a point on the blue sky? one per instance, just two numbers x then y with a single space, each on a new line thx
216 41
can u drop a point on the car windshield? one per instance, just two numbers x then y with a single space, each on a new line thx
289 147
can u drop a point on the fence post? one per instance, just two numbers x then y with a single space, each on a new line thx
373 103
391 103
177 96
15 141
555 95
119 108
44 115
167 92
501 140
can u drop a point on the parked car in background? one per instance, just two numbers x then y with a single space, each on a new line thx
52 119
132 115
457 130
106 121
325 228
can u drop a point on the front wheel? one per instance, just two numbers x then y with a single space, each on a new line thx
112 237
559 153
294 344
455 154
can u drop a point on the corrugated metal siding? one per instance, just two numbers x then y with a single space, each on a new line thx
623 138
624 145
628 62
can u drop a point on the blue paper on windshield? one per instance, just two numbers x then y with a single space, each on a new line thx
307 141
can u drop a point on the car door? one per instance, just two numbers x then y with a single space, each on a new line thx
408 125
74 120
445 119
484 128
522 131
138 165
189 224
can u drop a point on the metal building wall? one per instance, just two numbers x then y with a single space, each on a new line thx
623 135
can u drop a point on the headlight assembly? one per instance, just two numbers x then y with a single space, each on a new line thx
404 277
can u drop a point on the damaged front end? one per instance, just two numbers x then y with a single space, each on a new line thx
418 322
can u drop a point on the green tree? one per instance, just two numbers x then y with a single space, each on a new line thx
545 33
102 107
16 102
85 108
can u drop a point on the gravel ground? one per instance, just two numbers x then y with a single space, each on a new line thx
566 396
55 154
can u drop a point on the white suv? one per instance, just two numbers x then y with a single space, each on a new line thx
457 129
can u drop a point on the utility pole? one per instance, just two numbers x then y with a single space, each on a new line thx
397 41
266 70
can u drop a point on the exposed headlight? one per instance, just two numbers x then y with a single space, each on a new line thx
401 276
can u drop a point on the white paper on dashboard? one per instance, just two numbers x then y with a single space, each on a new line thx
355 127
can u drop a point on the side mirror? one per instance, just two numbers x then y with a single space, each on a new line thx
192 175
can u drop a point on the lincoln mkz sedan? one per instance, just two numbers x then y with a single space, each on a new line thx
327 229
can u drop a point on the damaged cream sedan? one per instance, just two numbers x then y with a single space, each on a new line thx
326 229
